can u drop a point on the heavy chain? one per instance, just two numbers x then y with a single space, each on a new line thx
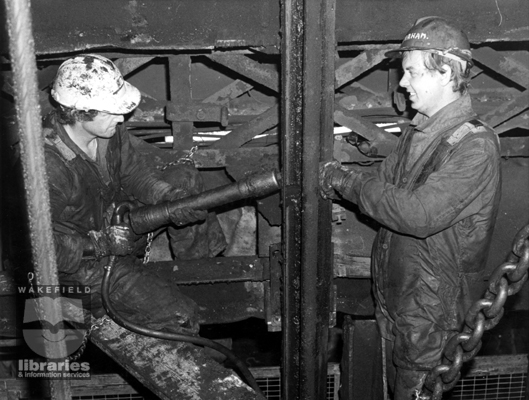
484 315
187 159
98 324
147 254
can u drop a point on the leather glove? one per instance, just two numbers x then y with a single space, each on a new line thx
186 215
116 240
335 179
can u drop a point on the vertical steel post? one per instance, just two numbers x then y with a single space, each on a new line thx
307 71
291 124
527 383
23 64
180 86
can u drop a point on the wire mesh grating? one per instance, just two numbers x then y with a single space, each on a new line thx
493 378
490 378
269 380
491 387
110 397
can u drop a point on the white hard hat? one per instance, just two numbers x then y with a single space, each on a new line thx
92 82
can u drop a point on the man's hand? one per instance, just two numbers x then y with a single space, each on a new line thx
328 172
114 240
186 215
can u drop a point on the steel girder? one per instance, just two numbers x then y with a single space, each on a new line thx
73 26
307 103
368 28
380 143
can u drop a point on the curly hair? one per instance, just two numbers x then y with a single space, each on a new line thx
69 116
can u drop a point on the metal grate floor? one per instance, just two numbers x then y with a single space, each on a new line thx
271 387
491 387
490 378
110 397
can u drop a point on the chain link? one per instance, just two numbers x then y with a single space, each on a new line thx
187 159
97 325
147 254
484 314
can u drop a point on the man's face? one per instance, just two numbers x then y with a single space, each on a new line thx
424 86
103 125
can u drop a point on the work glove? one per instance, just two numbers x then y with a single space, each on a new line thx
335 179
186 215
116 240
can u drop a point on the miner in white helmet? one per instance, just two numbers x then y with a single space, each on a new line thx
436 197
92 166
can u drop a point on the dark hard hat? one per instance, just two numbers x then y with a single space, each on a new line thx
435 34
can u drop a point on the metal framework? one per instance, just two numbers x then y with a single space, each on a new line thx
307 103
324 47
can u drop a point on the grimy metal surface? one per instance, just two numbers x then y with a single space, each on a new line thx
66 26
180 87
307 105
483 21
291 156
69 26
171 370
35 180
316 254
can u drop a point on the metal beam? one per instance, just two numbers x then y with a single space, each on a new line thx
63 27
73 26
266 75
507 110
291 136
180 85
229 92
501 64
171 370
519 121
362 375
351 69
129 65
220 269
246 132
376 21
317 251
307 78
291 132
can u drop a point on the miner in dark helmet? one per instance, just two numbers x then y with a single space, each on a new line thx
92 166
436 197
